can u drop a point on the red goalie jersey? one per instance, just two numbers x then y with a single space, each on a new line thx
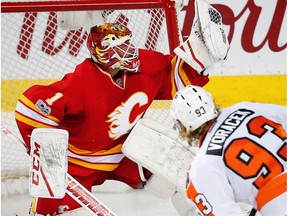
97 110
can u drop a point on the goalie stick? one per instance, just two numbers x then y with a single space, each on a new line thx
74 189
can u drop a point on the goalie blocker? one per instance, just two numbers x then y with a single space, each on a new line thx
48 163
48 171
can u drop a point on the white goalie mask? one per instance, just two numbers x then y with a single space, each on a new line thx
193 106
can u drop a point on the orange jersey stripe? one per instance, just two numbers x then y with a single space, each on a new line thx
200 201
33 205
271 190
32 106
93 164
32 122
173 65
183 74
98 166
115 150
283 152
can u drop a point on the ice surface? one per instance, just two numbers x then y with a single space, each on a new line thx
129 203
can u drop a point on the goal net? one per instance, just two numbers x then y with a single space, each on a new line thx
37 49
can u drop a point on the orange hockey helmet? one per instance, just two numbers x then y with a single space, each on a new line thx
110 47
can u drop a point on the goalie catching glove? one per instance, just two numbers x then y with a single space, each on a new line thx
207 43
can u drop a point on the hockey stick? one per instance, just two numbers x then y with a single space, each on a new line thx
74 189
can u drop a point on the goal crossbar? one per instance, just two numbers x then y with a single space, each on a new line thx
82 5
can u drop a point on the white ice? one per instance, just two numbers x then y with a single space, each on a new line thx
126 203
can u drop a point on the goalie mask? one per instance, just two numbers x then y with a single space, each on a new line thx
193 106
110 47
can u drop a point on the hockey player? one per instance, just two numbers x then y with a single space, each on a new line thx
242 156
98 104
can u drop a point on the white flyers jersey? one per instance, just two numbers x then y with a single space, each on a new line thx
242 159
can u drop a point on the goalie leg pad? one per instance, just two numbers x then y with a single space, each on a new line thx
160 150
159 187
179 201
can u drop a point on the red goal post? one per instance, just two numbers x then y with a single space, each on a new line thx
34 49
